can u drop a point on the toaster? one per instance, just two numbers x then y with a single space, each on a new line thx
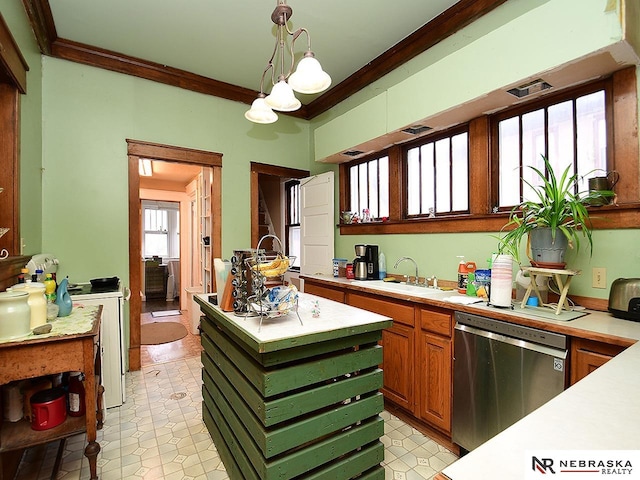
624 298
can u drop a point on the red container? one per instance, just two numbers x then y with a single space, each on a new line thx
48 408
349 272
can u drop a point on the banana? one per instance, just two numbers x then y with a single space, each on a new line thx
280 269
273 264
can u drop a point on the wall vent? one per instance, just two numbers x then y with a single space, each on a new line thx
529 88
352 153
416 129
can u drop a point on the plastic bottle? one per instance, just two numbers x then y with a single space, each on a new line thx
50 288
471 287
382 266
39 276
76 394
463 274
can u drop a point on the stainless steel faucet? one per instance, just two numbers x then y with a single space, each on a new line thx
401 259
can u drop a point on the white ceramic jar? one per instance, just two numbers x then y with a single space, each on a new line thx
15 315
37 301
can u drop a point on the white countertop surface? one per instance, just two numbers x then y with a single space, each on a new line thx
333 316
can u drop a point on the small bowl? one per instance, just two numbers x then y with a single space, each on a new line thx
52 311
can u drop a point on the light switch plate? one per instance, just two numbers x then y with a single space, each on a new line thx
599 277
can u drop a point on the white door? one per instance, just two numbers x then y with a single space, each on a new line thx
316 224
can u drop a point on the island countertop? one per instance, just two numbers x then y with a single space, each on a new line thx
336 320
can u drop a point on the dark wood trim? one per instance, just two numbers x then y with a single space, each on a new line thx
41 19
396 209
10 167
479 177
625 135
137 149
258 169
447 23
135 274
157 151
13 66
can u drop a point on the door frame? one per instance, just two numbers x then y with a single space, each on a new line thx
258 169
137 149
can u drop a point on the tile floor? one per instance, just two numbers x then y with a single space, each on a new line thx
159 434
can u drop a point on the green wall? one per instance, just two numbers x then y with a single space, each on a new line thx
519 40
88 114
30 129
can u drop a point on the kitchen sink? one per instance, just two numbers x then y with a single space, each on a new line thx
414 290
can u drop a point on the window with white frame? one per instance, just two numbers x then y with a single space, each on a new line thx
292 226
437 176
369 188
161 229
570 132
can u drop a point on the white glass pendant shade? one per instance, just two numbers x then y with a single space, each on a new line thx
260 112
309 76
282 97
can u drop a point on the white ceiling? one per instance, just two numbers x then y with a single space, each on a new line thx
231 41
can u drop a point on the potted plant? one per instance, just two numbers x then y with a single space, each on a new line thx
553 221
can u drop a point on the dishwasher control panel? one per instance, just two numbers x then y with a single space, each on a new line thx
520 332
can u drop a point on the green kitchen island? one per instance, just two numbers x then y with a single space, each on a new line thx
295 397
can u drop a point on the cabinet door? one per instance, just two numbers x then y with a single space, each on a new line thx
323 291
435 380
398 354
587 355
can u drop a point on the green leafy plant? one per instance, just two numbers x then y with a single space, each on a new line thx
556 206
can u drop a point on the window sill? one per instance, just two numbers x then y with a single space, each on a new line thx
603 218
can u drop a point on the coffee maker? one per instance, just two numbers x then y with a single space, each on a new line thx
365 265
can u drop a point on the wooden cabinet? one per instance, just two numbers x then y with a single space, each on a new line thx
325 292
587 355
398 344
435 378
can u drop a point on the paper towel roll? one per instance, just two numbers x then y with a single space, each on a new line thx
501 281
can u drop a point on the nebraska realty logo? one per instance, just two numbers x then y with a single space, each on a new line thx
583 464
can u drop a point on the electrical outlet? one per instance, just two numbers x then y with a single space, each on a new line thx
599 277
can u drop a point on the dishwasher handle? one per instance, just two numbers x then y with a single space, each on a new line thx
552 352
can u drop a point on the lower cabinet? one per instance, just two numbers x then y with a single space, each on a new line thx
398 352
587 355
435 368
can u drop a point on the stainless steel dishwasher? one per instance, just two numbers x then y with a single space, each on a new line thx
501 372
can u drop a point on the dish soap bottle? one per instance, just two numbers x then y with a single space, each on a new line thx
382 266
63 299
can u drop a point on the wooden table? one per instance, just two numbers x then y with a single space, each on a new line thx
35 357
285 399
562 278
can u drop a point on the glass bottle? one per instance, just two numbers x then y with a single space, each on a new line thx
76 394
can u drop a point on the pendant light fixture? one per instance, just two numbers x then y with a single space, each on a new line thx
308 78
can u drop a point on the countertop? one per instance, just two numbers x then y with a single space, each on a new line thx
334 321
595 325
600 412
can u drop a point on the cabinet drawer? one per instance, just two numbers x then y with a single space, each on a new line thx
400 312
322 291
436 321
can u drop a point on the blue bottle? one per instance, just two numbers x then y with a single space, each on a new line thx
63 299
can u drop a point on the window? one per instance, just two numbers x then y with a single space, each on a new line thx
161 229
293 222
570 132
369 188
437 176
592 128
